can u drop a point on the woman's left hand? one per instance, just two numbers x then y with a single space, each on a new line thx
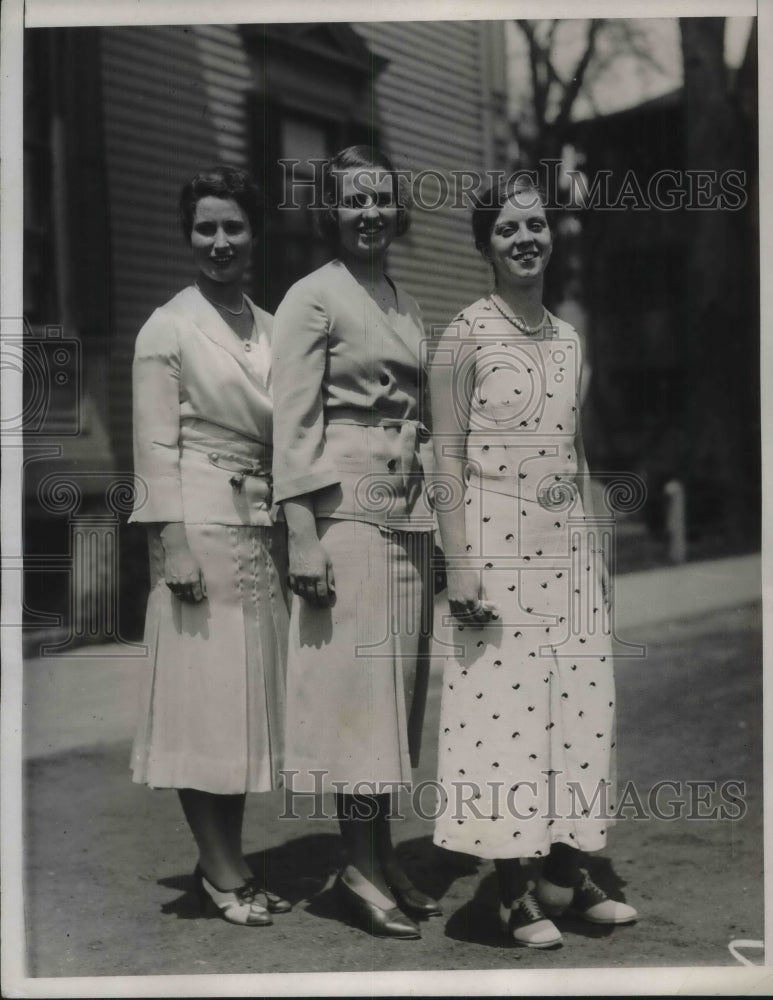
606 583
310 572
467 599
476 612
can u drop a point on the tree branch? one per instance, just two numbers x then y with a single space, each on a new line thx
573 87
536 64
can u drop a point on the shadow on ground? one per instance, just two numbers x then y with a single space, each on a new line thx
108 863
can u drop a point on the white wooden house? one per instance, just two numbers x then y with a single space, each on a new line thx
115 119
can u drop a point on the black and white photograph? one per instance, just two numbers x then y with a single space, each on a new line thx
383 498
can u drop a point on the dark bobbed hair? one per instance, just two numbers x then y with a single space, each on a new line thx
354 158
487 204
221 181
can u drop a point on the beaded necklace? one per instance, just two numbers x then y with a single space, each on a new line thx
517 322
219 305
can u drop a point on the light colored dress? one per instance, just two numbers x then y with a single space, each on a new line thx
349 431
212 695
527 709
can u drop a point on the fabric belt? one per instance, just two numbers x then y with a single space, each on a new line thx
242 467
412 434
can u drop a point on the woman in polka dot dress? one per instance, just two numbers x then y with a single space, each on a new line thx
527 716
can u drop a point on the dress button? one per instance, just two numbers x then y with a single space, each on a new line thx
214 456
248 346
384 378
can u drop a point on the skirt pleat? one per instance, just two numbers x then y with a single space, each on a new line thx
212 696
357 671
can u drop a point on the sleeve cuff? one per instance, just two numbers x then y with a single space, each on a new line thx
301 485
158 504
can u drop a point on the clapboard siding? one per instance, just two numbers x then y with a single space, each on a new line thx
175 98
455 88
157 129
227 75
433 135
445 44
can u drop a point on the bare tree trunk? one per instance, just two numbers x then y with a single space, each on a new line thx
718 288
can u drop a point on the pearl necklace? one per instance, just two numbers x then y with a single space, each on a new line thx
219 305
518 323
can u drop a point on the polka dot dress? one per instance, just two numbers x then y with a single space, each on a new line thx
527 711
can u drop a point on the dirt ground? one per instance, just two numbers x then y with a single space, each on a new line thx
108 888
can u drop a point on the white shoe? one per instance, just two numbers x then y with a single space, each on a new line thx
527 925
591 903
237 906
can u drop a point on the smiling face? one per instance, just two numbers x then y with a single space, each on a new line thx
367 213
521 241
221 239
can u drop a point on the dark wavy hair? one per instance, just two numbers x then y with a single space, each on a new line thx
221 181
354 158
487 204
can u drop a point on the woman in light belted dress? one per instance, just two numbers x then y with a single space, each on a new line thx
349 450
527 729
212 698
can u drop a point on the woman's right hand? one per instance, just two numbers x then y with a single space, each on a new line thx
467 599
310 571
181 571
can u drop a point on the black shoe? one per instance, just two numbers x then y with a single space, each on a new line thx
274 903
373 919
412 900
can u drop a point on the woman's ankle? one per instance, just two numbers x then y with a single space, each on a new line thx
395 875
370 873
244 870
512 879
370 884
562 865
222 875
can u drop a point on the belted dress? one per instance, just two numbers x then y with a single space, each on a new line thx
212 692
350 432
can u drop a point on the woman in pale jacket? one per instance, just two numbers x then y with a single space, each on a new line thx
349 450
211 719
